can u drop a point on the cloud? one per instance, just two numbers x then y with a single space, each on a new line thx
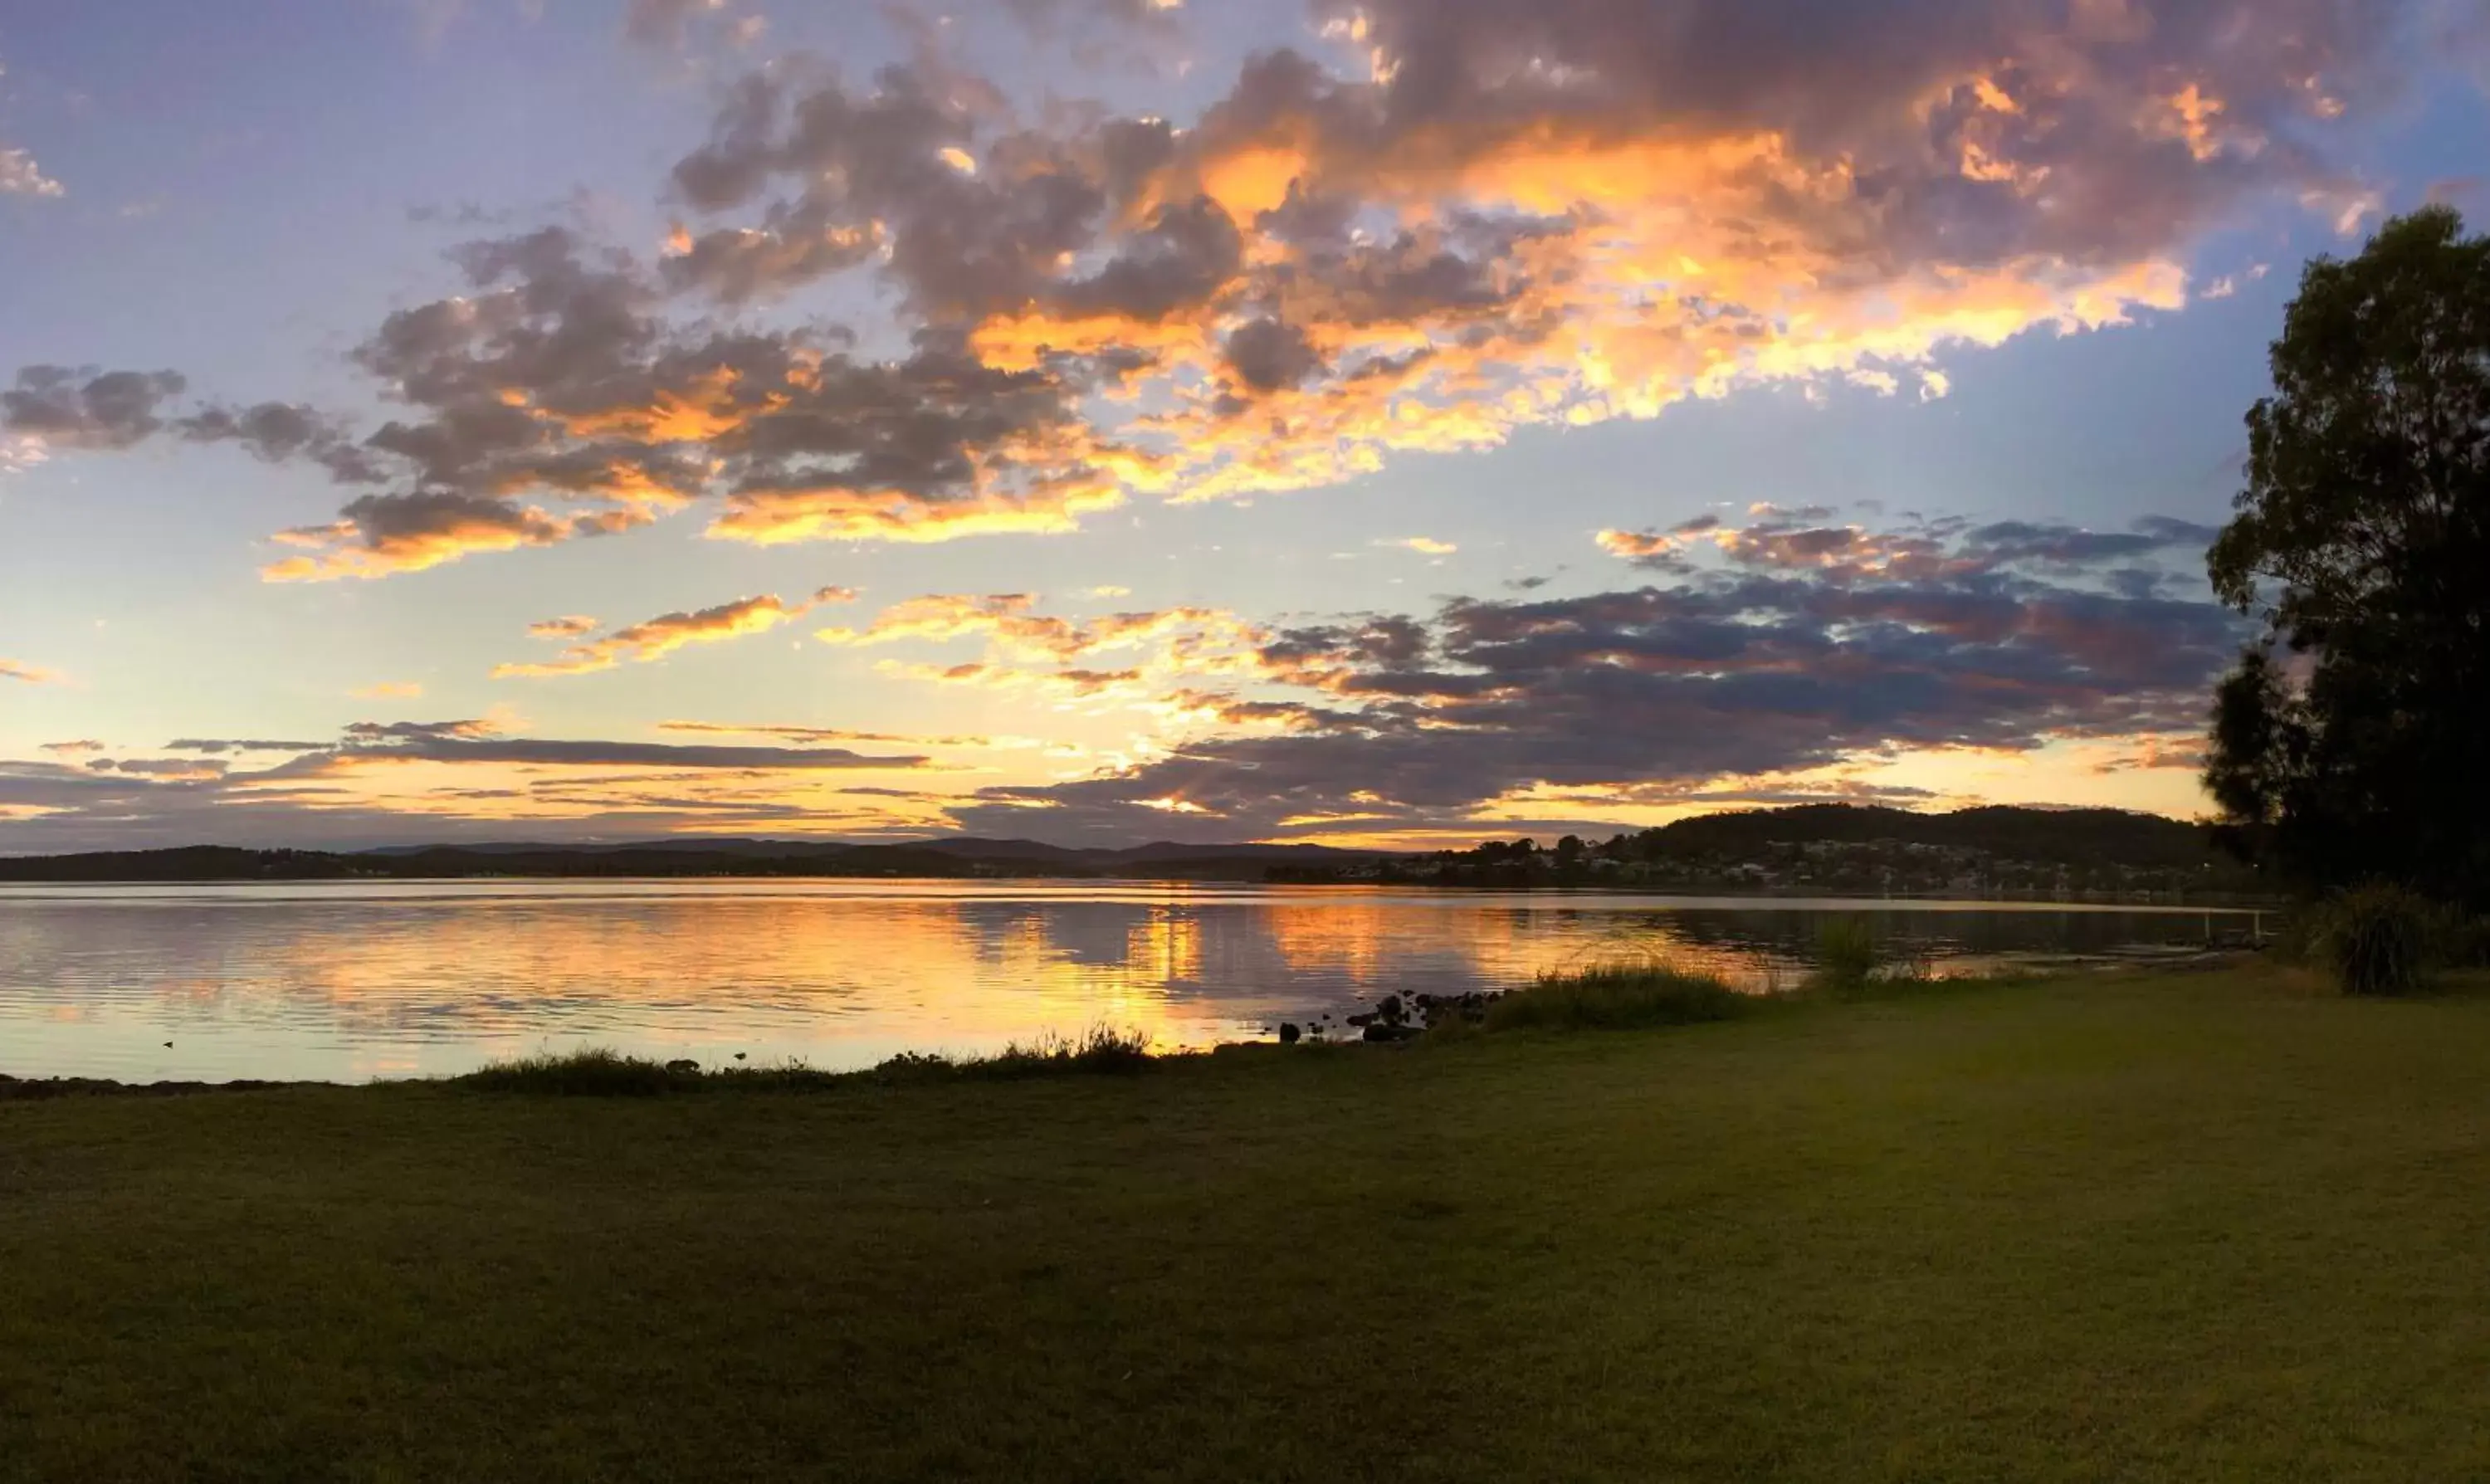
379 535
19 175
72 407
31 675
816 736
665 23
390 690
465 779
1424 545
1009 621
623 754
1638 545
175 770
1921 551
74 748
217 744
363 732
656 638
1496 219
1738 671
577 625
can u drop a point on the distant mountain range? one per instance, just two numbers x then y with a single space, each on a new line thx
943 857
1838 849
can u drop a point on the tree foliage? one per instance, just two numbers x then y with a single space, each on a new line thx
2352 741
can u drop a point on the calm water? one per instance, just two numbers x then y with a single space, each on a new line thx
347 981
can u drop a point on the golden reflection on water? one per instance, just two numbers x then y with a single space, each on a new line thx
352 982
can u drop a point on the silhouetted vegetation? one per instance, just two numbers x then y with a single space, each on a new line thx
600 1072
2349 745
1846 952
2041 854
1616 996
2375 939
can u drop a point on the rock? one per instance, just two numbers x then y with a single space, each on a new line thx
1391 1033
1288 1033
684 1066
1392 1011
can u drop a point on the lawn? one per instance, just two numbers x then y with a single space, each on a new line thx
2215 1226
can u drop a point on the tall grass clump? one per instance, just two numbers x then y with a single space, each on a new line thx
2375 939
1847 954
593 1073
1100 1049
1616 996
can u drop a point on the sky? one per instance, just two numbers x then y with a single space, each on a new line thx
1399 423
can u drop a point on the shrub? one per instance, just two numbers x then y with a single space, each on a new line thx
2458 940
2375 939
1616 996
1846 952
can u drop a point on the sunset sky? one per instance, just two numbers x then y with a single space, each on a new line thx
1102 420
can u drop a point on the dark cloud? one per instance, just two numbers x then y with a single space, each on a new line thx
614 754
82 408
1179 262
1268 354
739 265
897 165
1731 674
275 432
213 745
666 24
2063 545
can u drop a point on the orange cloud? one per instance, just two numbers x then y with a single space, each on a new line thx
1638 543
658 637
32 675
390 690
387 534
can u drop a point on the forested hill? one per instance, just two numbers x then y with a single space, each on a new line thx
1851 849
2068 836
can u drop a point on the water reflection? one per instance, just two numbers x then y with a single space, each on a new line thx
390 979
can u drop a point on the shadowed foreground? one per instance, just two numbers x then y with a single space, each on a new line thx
2205 1227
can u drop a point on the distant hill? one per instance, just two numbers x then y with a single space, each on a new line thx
937 859
1833 849
2073 836
2071 855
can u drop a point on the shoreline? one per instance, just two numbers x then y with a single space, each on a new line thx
1382 1027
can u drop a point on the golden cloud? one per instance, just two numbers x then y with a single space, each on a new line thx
656 638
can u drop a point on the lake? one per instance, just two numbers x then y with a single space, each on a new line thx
348 981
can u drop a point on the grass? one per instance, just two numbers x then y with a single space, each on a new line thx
598 1072
2216 1226
1618 997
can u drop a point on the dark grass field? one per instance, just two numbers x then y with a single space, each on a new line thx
2207 1227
